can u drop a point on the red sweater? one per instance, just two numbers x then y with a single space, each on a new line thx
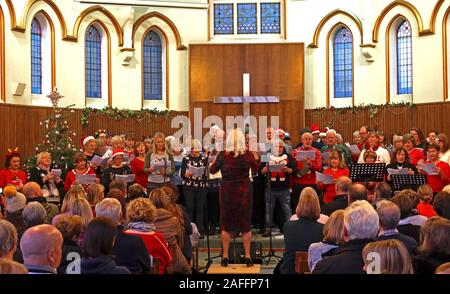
310 177
137 168
71 177
8 177
436 182
426 209
330 191
156 246
415 155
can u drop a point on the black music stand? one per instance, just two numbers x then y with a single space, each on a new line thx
401 182
367 172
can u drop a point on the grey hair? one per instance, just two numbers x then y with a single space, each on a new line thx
306 134
109 208
397 138
361 221
8 237
356 134
331 131
34 214
339 137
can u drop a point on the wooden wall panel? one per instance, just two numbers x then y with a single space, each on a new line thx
275 70
21 127
428 116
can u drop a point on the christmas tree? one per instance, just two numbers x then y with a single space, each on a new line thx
58 140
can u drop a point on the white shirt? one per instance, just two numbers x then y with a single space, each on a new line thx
382 156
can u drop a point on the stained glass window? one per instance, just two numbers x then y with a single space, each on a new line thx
223 19
152 66
343 63
246 18
270 18
404 58
93 63
36 57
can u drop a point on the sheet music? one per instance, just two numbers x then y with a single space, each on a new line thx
354 149
126 178
56 172
401 171
326 156
326 179
97 160
429 168
196 171
302 155
276 167
85 179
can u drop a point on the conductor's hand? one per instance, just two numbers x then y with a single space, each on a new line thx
264 170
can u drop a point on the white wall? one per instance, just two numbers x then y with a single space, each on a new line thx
302 18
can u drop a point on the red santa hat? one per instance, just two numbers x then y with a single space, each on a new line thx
315 129
323 133
86 139
117 152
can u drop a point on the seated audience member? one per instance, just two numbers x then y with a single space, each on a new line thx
34 214
136 191
389 215
95 194
441 204
14 205
415 155
75 192
169 225
361 227
8 239
71 227
119 196
322 218
300 234
337 169
394 258
41 248
340 201
141 214
426 198
357 192
443 269
382 191
10 267
129 250
442 178
97 246
333 236
81 168
382 155
410 221
434 249
33 192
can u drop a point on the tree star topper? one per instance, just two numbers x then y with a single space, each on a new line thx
54 97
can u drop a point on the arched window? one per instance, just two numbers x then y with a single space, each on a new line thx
93 57
153 69
343 63
36 57
404 58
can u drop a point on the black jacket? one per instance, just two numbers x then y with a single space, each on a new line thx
298 236
339 202
101 265
187 245
410 230
409 242
68 247
427 263
347 259
130 251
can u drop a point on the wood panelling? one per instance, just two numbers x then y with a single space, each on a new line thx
275 70
396 120
21 127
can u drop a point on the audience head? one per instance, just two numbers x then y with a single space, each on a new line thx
119 184
99 237
70 226
389 215
75 192
32 190
42 245
308 204
443 269
441 204
171 192
383 191
141 210
95 193
159 198
435 236
425 193
8 239
361 221
393 257
14 201
34 214
82 208
110 208
136 191
407 200
117 194
343 185
357 192
333 231
10 267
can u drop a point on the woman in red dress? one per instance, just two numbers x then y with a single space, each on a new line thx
336 170
235 194
13 175
137 164
81 168
437 182
415 155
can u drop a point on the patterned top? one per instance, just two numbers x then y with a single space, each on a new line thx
196 162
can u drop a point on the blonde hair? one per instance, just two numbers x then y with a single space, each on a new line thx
117 140
75 192
8 237
82 208
425 193
160 135
11 267
394 256
337 155
235 142
308 205
69 226
40 155
95 193
435 236
443 269
333 230
141 209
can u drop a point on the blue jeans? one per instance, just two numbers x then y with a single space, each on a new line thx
284 196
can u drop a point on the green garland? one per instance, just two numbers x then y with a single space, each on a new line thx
373 108
118 114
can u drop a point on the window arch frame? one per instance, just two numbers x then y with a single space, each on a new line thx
36 22
409 60
164 66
